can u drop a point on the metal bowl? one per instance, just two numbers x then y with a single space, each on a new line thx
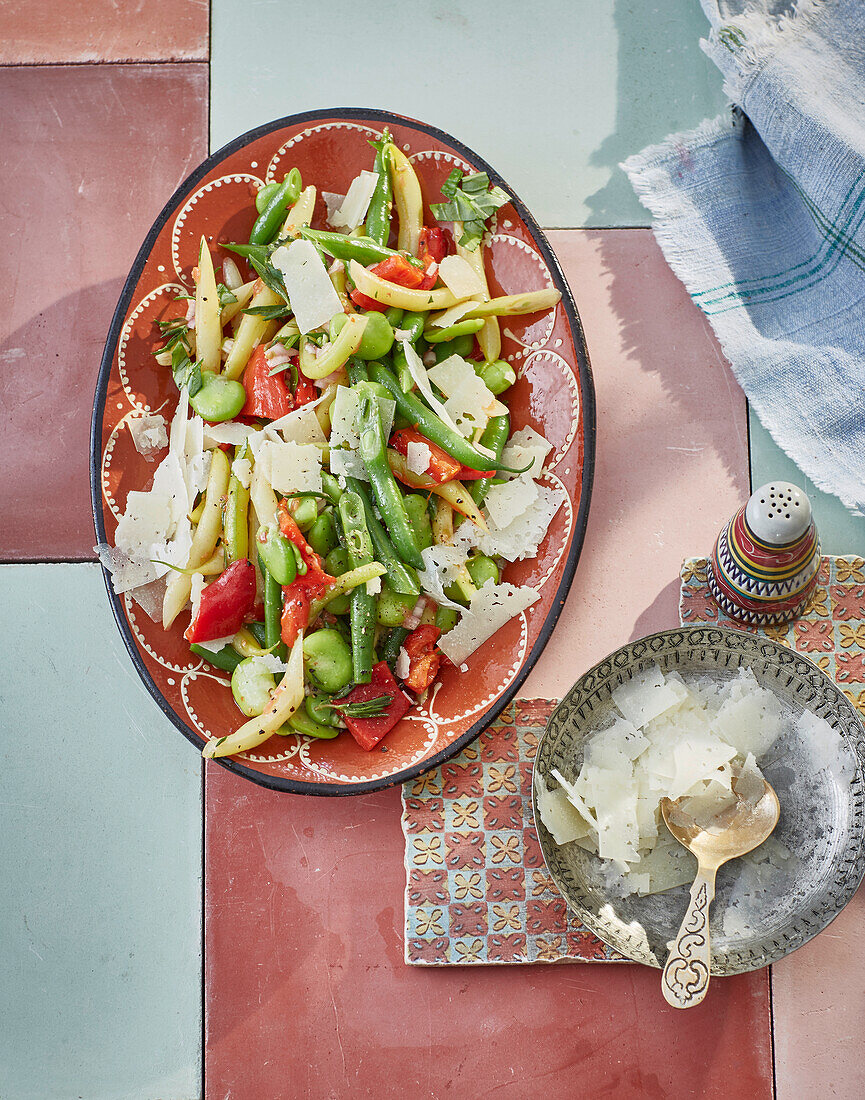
822 821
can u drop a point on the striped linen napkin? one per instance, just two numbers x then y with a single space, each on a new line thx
761 214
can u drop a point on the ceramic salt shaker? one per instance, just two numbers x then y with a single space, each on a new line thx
765 562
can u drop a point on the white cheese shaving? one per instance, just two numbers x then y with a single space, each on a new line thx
460 277
373 586
453 315
469 402
242 470
490 608
127 571
333 202
403 664
344 436
418 457
441 565
521 537
299 426
307 283
291 467
419 374
230 432
270 662
511 500
149 433
559 815
197 587
356 203
523 447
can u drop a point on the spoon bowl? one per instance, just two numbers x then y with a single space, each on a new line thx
734 832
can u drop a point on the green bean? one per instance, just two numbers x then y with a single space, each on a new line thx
378 212
358 545
393 644
273 615
235 525
259 632
265 195
331 487
344 583
482 569
226 658
392 607
363 249
401 577
269 220
433 427
461 328
494 439
394 315
497 376
400 364
322 535
328 659
336 562
413 324
461 345
356 369
418 514
384 486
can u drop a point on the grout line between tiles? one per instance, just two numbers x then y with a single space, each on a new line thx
57 64
49 561
772 1036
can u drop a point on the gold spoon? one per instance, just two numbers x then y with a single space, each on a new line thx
735 832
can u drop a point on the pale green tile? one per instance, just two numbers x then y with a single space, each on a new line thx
553 94
100 865
840 531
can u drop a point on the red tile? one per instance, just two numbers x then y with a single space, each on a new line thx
42 32
91 155
307 993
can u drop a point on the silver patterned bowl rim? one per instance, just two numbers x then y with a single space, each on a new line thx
825 699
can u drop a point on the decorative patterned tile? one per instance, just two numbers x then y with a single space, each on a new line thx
477 890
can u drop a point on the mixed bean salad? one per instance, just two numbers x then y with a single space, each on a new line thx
353 397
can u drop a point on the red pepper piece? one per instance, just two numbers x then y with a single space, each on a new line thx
295 611
436 243
224 604
304 392
363 301
441 466
468 474
424 661
369 731
265 395
396 269
314 581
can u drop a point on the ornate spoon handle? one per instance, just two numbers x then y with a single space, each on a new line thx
686 974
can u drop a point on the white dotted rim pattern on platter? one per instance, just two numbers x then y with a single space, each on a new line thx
191 712
404 763
428 710
294 746
545 355
126 332
136 413
234 177
441 154
270 174
567 504
142 641
509 241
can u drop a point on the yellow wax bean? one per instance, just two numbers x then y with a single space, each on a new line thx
416 301
243 294
251 331
489 337
299 215
407 199
335 354
208 330
511 305
203 541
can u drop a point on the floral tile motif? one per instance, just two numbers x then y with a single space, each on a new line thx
831 632
477 889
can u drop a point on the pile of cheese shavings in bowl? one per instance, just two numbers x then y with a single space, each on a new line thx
673 739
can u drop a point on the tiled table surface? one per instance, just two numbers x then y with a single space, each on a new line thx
104 913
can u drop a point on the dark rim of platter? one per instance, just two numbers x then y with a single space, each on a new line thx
587 400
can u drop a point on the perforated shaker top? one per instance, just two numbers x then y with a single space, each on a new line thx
778 513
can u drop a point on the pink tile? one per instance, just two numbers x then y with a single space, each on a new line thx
818 1003
91 154
42 32
672 448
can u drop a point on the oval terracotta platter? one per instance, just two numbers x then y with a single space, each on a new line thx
553 394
